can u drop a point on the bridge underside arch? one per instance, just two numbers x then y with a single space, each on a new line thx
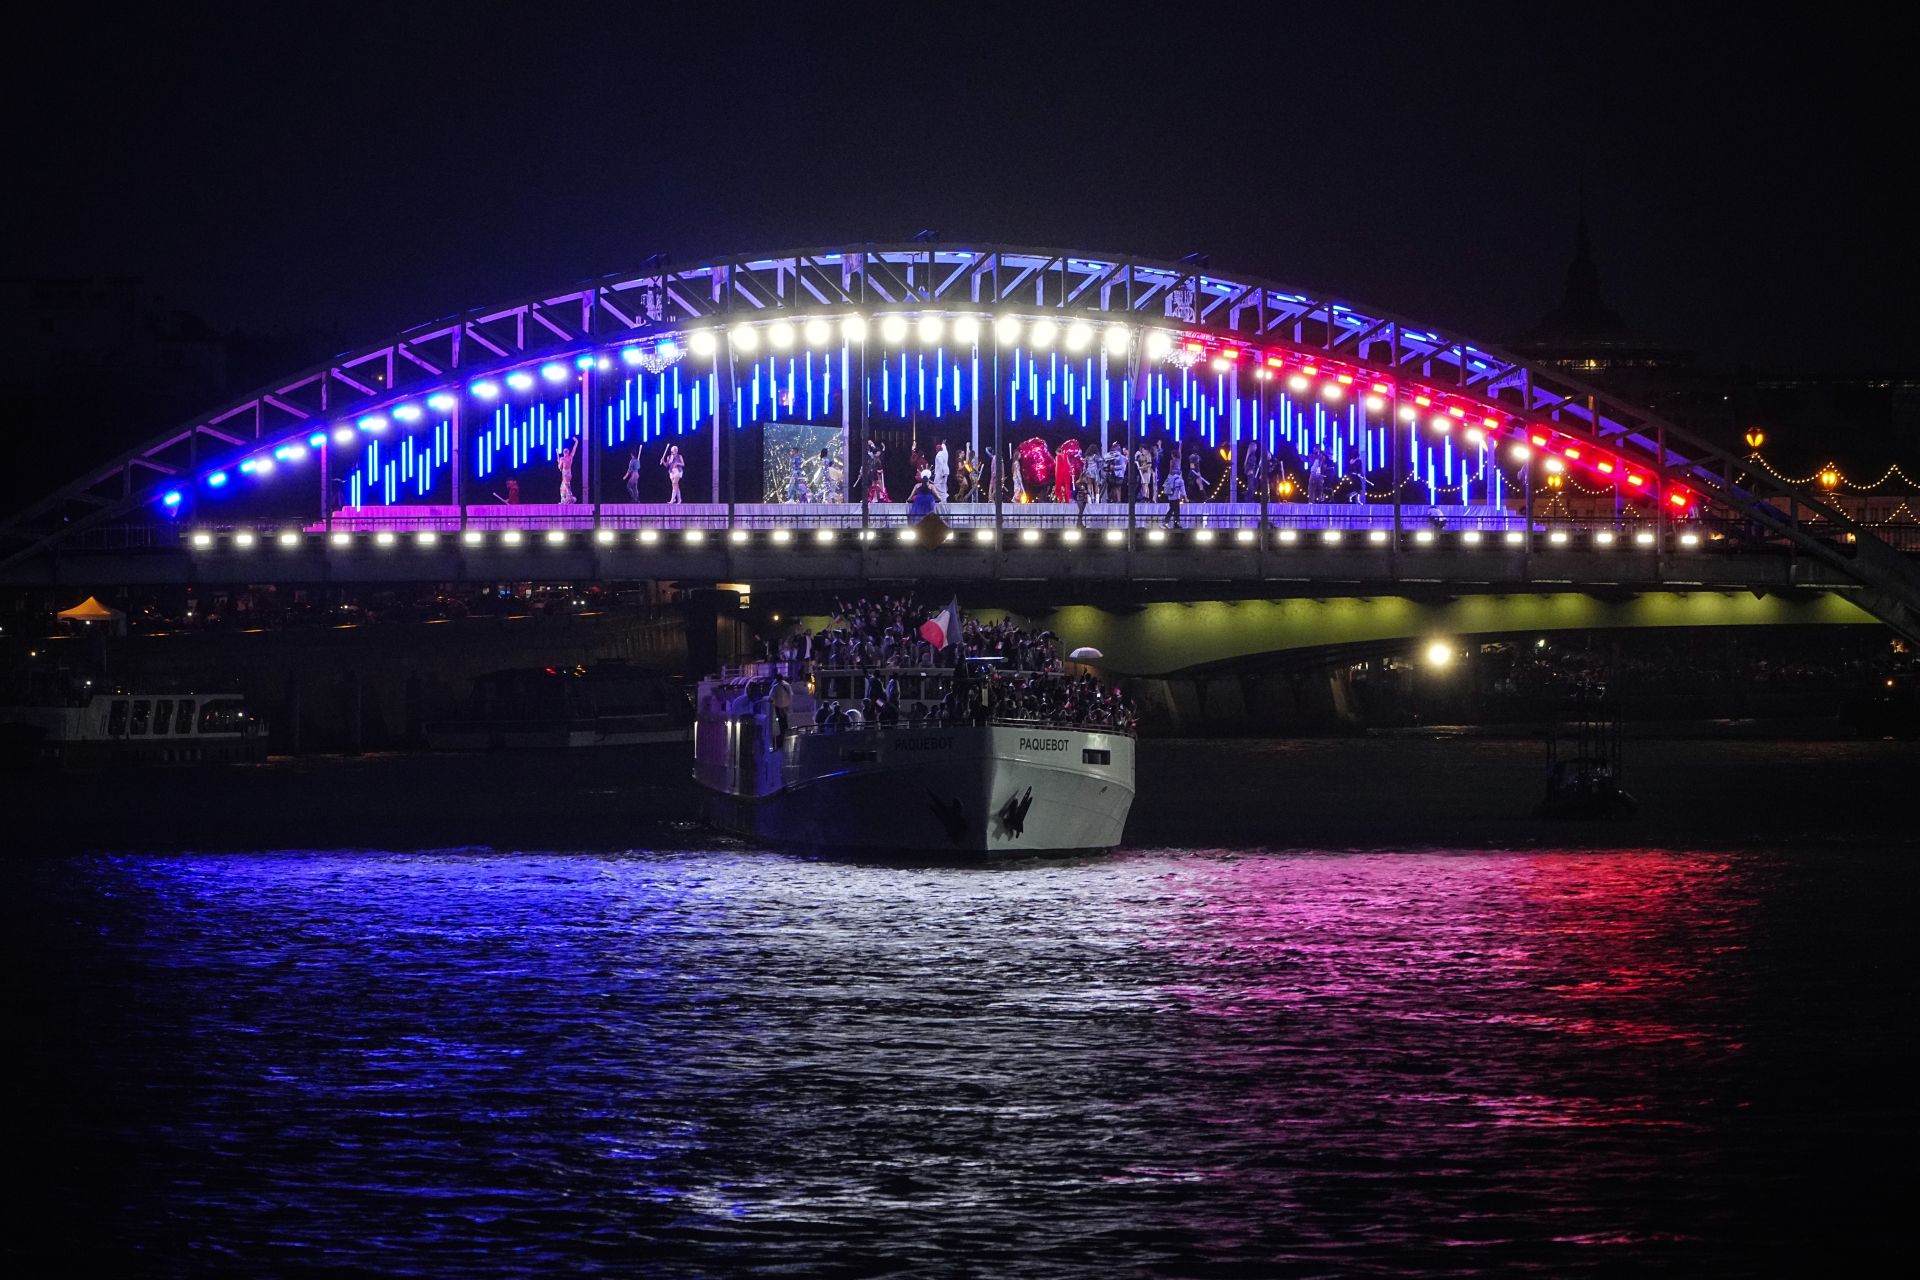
1181 638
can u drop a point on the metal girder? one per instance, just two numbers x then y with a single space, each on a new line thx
448 352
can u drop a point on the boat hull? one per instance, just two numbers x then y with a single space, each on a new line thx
994 791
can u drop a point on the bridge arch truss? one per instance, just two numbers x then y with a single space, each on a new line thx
439 399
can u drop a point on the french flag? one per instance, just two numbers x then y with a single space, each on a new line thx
943 627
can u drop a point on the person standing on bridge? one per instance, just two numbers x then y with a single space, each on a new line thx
1174 490
633 477
942 472
566 472
676 467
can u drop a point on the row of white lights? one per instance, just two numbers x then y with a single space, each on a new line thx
929 328
782 537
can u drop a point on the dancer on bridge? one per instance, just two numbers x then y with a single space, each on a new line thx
566 472
633 477
941 471
676 467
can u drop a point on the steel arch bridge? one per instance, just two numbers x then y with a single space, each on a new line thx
1010 342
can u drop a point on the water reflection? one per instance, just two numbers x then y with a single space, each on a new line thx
464 1063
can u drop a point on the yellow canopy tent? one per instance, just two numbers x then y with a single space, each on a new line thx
91 610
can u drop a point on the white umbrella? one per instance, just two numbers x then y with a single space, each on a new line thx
1086 651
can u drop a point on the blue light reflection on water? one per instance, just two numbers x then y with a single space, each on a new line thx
468 1063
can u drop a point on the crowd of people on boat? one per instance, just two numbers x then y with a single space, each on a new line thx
1015 672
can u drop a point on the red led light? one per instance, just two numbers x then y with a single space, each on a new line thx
1380 388
1276 362
1231 353
1606 467
1308 369
1423 401
1572 452
1633 479
1540 440
1677 498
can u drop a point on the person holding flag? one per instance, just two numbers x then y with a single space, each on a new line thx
943 628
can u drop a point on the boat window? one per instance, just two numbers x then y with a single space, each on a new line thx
163 716
183 719
117 718
141 710
221 715
1093 755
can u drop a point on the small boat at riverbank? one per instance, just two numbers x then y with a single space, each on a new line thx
608 704
134 729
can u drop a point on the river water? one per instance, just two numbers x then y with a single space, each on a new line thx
1196 1062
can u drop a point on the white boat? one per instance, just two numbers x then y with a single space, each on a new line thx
990 785
135 728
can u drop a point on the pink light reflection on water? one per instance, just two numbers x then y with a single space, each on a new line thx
1448 1019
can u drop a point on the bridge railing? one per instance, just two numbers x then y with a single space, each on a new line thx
1374 523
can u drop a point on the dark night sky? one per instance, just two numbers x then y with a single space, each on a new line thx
287 166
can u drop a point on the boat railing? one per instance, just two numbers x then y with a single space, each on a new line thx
995 721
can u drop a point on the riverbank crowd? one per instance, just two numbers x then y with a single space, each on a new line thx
1011 673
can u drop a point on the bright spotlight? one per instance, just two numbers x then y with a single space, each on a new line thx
343 435
930 329
520 380
1159 344
289 539
780 334
703 343
818 332
1079 334
1043 333
243 539
511 538
966 331
426 538
1333 391
486 389
893 330
1375 404
553 371
383 538
406 412
632 356
1521 453
1439 653
1007 330
745 338
556 536
1117 339
854 329
1298 382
